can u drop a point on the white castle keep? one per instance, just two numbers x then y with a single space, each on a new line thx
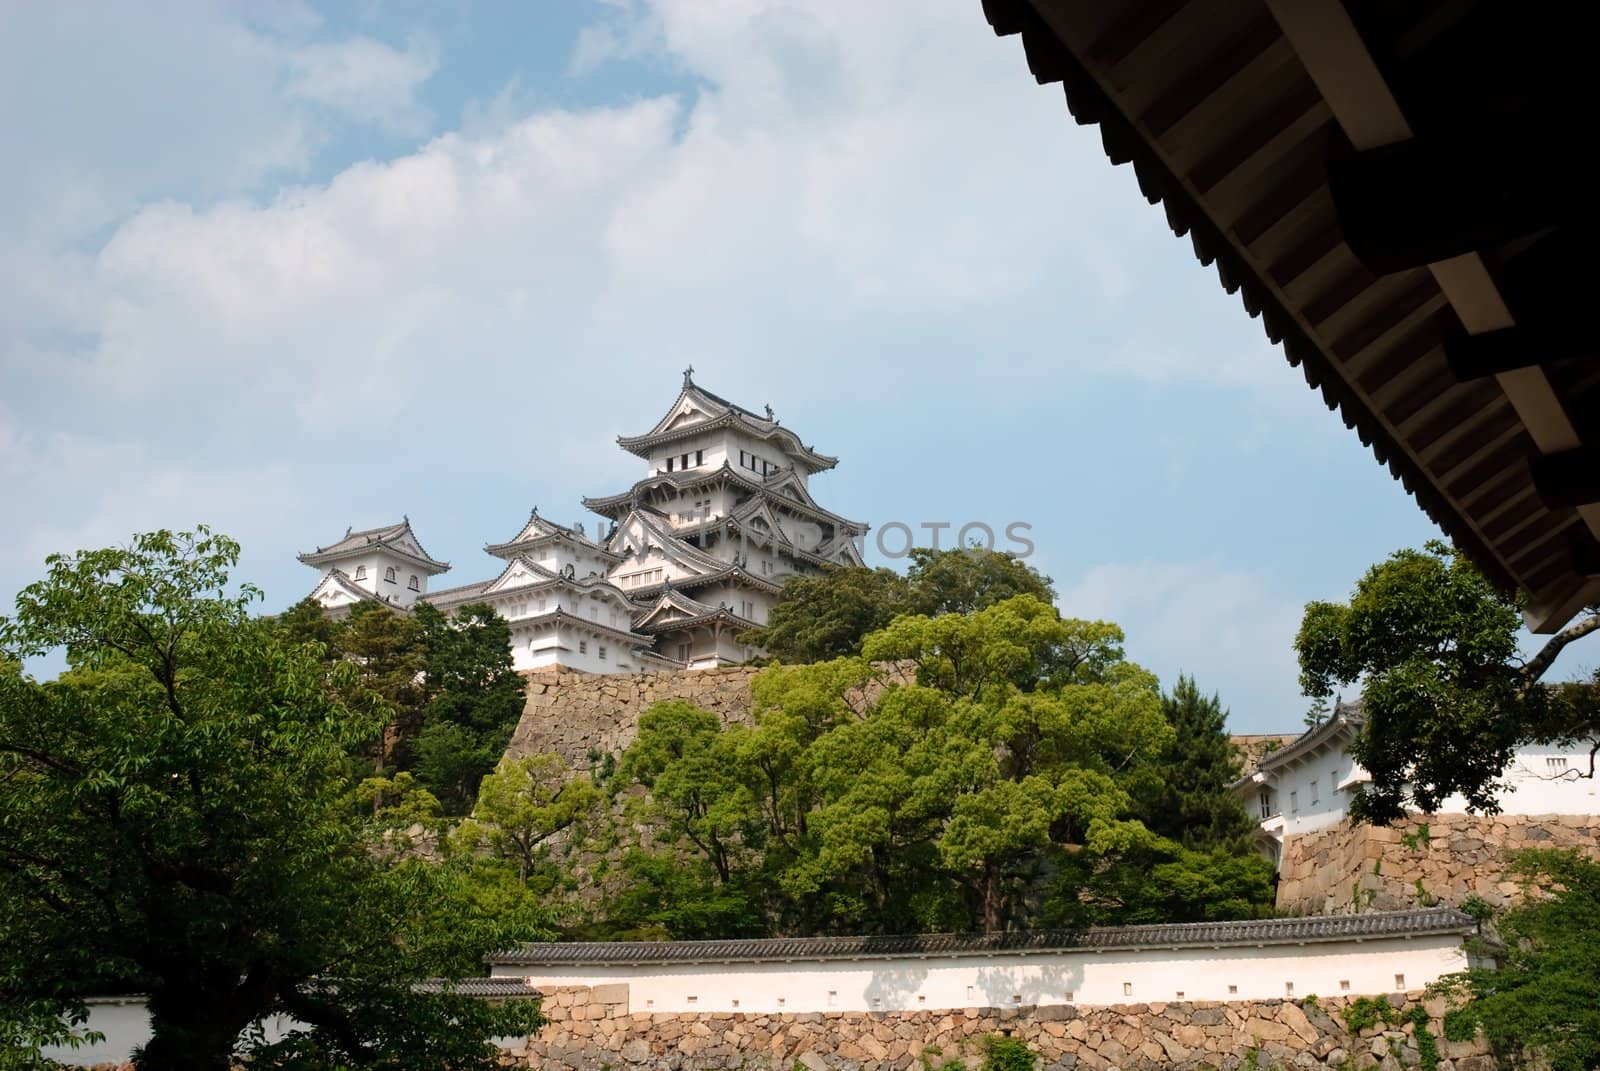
695 554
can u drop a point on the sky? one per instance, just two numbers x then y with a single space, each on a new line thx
285 269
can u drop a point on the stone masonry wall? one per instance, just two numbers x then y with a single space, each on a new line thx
594 1030
1439 859
572 713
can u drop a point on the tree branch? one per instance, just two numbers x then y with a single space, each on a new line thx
1540 663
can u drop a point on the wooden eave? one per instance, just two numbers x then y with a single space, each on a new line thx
1316 153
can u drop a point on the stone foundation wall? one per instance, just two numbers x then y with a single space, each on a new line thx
574 714
1421 861
594 1030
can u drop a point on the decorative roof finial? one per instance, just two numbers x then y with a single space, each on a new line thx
688 376
768 408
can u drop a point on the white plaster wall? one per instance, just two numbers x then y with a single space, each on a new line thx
543 644
126 1026
376 562
1371 967
1308 796
1534 785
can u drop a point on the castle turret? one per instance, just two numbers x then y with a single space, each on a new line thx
385 564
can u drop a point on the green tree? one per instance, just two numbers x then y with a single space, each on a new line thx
1184 795
668 898
825 616
1537 996
177 820
473 699
963 580
1446 697
522 805
686 761
386 647
856 802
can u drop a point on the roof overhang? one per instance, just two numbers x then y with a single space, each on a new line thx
1389 187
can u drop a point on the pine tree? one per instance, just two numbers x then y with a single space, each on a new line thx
1187 797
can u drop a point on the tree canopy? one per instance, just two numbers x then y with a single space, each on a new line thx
447 683
1535 994
178 820
1446 697
1184 796
993 792
828 615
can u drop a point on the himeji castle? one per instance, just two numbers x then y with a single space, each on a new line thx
688 558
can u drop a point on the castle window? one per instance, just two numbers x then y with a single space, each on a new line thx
583 646
388 575
1288 989
1399 981
1294 803
602 652
685 461
1127 989
1314 795
670 460
1556 764
699 458
1266 803
414 584
361 572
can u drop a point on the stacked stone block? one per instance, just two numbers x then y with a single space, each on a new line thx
594 1029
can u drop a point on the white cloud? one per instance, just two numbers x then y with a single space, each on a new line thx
365 80
855 198
1205 619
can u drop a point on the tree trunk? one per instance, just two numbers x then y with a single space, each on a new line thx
192 1031
991 899
1540 663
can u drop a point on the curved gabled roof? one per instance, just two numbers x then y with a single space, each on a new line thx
674 547
396 539
1356 927
720 413
539 531
338 579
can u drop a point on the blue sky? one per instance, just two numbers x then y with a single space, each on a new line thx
285 269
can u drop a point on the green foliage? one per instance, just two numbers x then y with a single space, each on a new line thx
178 821
1001 1052
473 699
955 803
521 806
1540 1005
1364 1013
1184 795
968 579
827 616
1446 697
445 685
28 1024
1427 1044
